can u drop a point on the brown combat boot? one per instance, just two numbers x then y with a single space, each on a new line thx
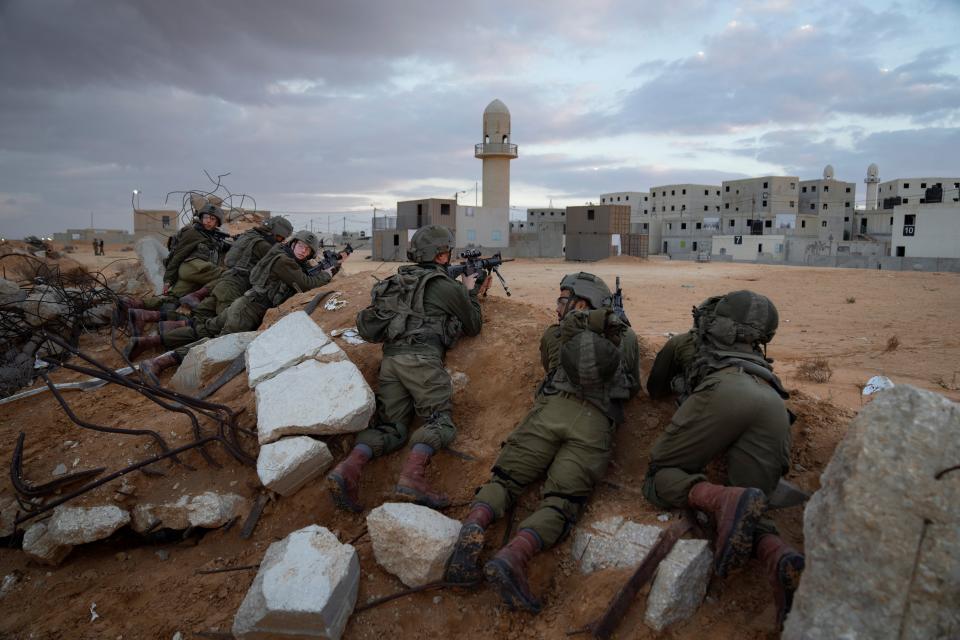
463 567
136 346
735 511
783 565
138 319
154 366
193 300
344 480
507 571
412 486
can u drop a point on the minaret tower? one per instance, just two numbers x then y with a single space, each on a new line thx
873 183
496 151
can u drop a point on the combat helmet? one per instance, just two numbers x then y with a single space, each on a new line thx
739 316
278 226
211 210
307 237
429 241
589 287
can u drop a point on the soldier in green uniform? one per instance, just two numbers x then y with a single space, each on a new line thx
731 403
592 363
281 273
427 312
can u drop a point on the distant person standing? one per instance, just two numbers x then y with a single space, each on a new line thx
100 245
96 247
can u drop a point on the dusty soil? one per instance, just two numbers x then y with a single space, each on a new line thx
140 595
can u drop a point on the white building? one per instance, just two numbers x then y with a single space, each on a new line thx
760 206
826 208
750 248
926 230
689 217
917 191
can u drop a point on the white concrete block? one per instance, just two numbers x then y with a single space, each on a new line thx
80 525
289 463
208 510
313 398
204 362
306 588
411 541
612 543
680 584
293 339
40 546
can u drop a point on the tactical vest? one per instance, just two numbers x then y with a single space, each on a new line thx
266 288
396 314
592 366
712 354
241 258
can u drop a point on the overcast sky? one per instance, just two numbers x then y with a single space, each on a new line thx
333 107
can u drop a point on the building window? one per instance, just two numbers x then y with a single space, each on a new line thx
779 248
891 220
768 224
444 209
165 221
793 185
826 188
673 192
645 212
813 188
645 198
726 205
670 226
803 224
791 204
645 226
618 198
602 200
813 206
590 214
471 235
727 189
683 225
684 192
901 252
694 246
765 185
731 223
706 207
804 189
396 239
846 218
910 219
699 225
847 205
496 235
718 192
627 198
706 192
823 224
736 208
759 247
551 213
824 206
848 189
764 203
672 208
923 185
907 200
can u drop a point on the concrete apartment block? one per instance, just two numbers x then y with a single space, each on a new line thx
758 206
306 588
413 214
605 218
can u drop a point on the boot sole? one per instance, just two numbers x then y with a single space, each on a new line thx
499 576
406 494
739 545
463 566
340 495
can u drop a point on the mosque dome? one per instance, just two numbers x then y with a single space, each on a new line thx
828 172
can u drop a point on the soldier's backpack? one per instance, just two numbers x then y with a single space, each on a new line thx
396 309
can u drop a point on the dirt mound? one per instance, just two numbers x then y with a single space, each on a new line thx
144 589
19 263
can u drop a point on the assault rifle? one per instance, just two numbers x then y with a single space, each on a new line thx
473 263
330 260
618 304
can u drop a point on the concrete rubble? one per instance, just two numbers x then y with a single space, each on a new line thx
293 339
208 510
152 253
8 513
204 362
40 546
10 292
306 588
681 580
80 525
288 464
882 535
313 398
411 541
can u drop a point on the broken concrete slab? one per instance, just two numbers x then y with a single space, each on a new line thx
208 510
306 588
288 464
152 253
882 535
612 543
80 525
39 545
680 584
206 360
411 541
313 398
293 339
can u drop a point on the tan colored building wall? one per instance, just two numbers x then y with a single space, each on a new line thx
482 227
413 214
160 222
758 205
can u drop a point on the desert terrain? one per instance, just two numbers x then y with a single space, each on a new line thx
863 323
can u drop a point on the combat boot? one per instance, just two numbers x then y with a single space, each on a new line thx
193 300
735 512
154 366
344 480
783 565
463 567
412 486
507 571
136 346
138 319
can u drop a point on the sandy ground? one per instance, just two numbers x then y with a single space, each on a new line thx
141 595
